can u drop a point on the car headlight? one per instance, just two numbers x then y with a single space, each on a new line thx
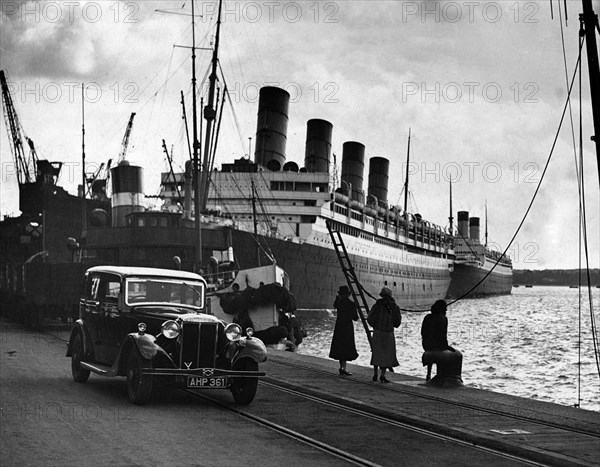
233 332
170 329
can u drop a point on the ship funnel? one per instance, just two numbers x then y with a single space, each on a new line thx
318 145
474 229
379 168
353 166
126 192
271 128
463 224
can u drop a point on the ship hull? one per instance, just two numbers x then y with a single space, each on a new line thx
315 273
465 276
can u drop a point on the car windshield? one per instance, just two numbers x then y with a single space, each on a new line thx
140 291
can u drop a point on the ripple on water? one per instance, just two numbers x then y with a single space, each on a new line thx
525 344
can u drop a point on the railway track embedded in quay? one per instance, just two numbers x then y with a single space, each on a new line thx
375 429
407 390
359 422
525 434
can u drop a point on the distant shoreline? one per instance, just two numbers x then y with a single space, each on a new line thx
554 277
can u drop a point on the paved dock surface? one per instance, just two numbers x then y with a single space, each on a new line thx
304 414
543 432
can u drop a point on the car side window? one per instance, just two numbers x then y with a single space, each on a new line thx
109 289
112 291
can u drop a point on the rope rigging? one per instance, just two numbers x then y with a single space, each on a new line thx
566 106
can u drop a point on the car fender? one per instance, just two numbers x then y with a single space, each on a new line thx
144 343
250 348
79 328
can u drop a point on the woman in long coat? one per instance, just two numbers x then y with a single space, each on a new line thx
343 347
384 317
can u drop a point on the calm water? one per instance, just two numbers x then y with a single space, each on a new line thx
524 344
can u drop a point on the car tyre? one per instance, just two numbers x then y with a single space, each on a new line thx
139 386
80 375
244 389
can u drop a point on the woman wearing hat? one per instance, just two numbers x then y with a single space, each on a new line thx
384 317
343 347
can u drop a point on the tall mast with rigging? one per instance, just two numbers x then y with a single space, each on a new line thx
195 161
486 229
210 114
451 218
406 179
589 23
83 183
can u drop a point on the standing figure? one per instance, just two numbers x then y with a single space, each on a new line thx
384 317
343 347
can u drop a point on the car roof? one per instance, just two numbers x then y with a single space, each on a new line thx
140 271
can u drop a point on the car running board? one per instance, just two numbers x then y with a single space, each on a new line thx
99 369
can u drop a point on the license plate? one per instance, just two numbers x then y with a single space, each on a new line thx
204 382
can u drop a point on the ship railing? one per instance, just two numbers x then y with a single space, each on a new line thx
393 216
219 280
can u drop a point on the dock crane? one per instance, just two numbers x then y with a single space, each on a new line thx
125 141
26 165
98 182
29 168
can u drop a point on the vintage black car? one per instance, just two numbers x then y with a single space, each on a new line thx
150 325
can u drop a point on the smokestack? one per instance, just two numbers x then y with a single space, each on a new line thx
318 145
271 128
353 166
379 168
463 224
127 192
474 229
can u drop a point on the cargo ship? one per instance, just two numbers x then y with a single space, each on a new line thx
478 270
223 232
279 212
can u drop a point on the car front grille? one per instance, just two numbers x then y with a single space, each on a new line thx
198 345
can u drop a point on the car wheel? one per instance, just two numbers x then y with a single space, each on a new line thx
139 386
244 389
80 375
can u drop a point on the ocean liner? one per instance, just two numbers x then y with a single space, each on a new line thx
279 212
223 232
478 270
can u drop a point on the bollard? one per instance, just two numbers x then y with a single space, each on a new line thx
448 367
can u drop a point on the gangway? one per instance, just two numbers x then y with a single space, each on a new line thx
351 278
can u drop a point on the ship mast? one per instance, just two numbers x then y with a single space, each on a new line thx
589 23
195 177
406 179
255 222
486 229
450 218
83 184
210 114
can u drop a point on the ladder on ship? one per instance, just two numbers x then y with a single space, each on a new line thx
351 278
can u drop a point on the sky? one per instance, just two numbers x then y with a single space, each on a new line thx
480 85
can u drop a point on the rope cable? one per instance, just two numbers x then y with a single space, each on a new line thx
503 255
